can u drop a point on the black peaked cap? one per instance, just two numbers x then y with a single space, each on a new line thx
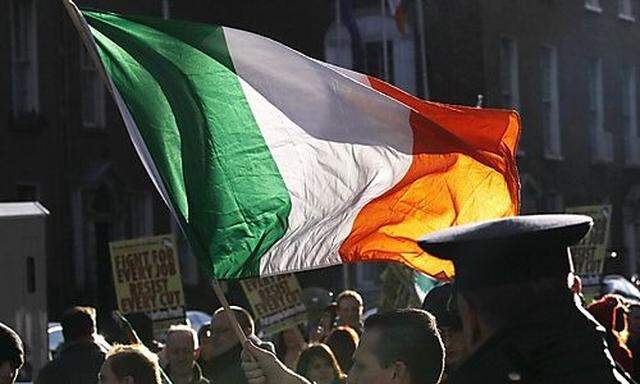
509 250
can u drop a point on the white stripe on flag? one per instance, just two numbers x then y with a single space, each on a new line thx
337 143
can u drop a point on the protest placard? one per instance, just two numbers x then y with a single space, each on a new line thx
162 320
276 302
397 289
146 274
590 253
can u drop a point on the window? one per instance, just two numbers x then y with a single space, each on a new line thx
365 53
629 108
374 60
141 214
601 139
625 10
93 103
549 101
509 73
24 71
593 5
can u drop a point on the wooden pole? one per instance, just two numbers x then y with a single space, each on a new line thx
242 338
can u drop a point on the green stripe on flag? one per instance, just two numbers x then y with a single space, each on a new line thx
190 109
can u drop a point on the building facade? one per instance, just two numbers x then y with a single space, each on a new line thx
62 141
570 68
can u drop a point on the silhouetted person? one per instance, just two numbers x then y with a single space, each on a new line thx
80 356
11 354
520 318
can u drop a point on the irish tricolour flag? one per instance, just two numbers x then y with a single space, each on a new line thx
274 162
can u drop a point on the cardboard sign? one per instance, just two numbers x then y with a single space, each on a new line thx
590 253
163 320
146 274
403 287
276 302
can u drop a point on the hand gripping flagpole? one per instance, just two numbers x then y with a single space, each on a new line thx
85 33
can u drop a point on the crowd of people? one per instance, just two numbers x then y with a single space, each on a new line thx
513 315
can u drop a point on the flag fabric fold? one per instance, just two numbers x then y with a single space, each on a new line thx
274 162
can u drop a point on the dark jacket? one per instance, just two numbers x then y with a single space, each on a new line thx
196 378
558 345
226 368
78 362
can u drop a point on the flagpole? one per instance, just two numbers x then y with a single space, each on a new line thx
87 39
423 50
385 53
231 316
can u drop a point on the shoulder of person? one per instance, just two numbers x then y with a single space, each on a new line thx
48 373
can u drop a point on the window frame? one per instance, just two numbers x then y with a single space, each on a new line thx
369 25
514 73
601 138
626 10
88 68
629 114
552 132
593 6
28 59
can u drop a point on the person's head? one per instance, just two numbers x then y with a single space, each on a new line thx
401 346
326 323
350 308
318 364
181 346
130 364
508 267
223 336
204 339
441 303
343 341
11 354
78 323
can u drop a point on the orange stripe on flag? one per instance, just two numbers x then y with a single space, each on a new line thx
463 171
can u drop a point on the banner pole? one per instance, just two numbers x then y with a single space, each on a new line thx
242 338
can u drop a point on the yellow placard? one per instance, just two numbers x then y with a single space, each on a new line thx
398 290
591 252
146 274
276 302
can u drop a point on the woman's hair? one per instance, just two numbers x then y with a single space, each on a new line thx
318 351
136 361
343 341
